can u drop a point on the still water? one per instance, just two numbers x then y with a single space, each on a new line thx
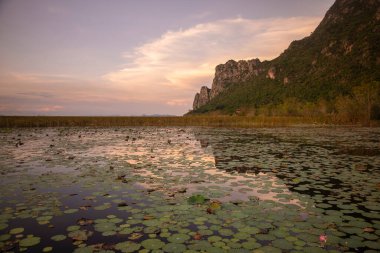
190 190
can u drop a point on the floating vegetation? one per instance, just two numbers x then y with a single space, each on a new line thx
196 199
58 238
29 241
15 231
208 190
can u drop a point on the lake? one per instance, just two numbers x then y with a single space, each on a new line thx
149 189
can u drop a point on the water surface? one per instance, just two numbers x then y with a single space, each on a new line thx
128 190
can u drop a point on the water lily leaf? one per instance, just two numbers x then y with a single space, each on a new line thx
314 250
102 207
4 237
282 244
72 228
178 238
241 235
174 248
126 231
69 211
104 227
251 244
214 238
58 238
152 223
127 247
225 232
250 230
152 244
47 249
44 218
265 237
115 220
372 245
269 249
109 233
29 241
15 231
152 230
196 199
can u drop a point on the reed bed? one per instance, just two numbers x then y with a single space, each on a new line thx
205 121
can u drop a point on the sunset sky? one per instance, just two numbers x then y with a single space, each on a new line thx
114 57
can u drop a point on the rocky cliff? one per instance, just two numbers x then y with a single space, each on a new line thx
227 74
201 98
343 52
233 72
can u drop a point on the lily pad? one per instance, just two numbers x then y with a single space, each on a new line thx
58 238
214 238
29 241
127 247
152 244
47 249
225 232
372 245
196 199
251 244
282 244
241 236
15 231
315 250
250 230
105 227
72 228
4 237
178 238
269 249
3 226
174 248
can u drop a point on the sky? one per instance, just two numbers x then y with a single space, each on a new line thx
131 58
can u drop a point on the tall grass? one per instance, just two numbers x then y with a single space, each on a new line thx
207 121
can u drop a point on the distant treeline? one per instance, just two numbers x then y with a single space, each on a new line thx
204 121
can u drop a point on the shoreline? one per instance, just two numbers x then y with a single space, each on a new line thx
177 121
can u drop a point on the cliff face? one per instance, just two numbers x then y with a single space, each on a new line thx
226 74
233 72
201 98
342 52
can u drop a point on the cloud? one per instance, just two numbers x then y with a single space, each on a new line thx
171 68
50 108
33 78
178 102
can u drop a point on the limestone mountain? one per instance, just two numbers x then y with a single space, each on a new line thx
342 52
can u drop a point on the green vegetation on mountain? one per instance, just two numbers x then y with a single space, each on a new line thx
335 71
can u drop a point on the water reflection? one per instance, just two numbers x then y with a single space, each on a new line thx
336 167
188 165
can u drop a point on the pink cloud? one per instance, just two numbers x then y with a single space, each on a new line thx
50 108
